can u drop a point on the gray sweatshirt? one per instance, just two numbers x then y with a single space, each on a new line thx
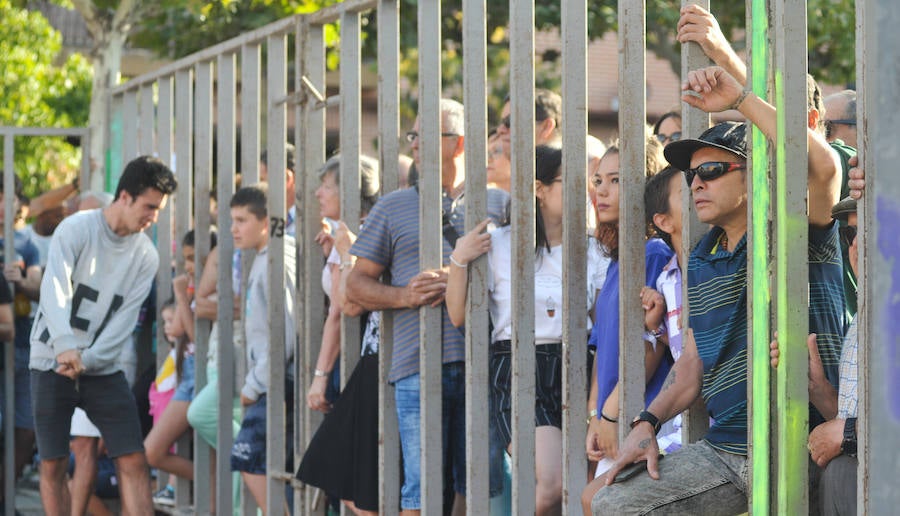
91 293
256 319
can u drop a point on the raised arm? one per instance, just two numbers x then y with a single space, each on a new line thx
468 247
715 90
700 26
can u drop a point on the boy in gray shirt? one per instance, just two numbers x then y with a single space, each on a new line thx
250 230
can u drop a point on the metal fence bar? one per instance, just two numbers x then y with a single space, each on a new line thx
129 125
114 142
203 147
225 174
632 167
879 410
351 99
430 255
574 130
694 121
477 318
164 223
276 78
183 211
310 296
298 201
389 148
9 350
792 290
522 110
759 211
145 120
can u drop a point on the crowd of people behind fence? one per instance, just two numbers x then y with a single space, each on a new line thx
84 275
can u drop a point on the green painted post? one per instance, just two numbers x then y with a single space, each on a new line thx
760 294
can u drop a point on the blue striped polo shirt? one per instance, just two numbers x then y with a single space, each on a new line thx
717 292
390 238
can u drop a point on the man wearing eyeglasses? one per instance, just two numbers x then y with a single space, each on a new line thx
547 120
840 124
712 472
389 242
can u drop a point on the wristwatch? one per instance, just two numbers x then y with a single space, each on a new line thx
648 417
848 445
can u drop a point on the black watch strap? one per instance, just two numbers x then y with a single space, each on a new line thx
648 417
848 445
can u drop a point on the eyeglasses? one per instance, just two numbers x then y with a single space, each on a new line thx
829 124
712 170
412 136
664 138
848 234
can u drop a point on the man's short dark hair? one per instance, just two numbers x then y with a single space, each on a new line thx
253 198
146 172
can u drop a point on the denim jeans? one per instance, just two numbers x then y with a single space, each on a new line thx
697 479
453 391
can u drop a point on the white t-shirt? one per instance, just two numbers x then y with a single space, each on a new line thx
548 288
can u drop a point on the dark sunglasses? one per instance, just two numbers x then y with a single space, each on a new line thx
829 124
674 137
712 170
847 233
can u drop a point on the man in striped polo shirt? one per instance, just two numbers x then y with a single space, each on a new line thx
389 242
713 472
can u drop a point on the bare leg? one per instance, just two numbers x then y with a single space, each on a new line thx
257 486
96 507
589 491
356 510
171 425
134 484
54 493
459 505
548 470
81 486
24 448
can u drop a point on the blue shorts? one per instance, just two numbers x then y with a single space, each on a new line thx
453 391
24 417
185 389
249 451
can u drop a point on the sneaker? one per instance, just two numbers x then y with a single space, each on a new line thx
165 496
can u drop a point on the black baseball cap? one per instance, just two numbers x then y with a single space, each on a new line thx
843 209
728 136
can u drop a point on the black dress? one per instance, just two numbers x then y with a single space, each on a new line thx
342 457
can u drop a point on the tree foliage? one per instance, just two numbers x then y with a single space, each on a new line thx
39 92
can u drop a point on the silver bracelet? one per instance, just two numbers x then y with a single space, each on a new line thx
320 373
454 262
737 103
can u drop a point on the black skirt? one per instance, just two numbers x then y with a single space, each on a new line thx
342 458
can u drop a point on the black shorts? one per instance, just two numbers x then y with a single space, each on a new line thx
547 387
106 399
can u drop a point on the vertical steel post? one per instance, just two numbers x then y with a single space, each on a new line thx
574 130
310 294
116 146
225 174
276 77
430 251
183 213
9 350
129 125
694 121
791 271
349 170
145 120
389 148
879 344
632 167
202 136
477 327
164 223
521 26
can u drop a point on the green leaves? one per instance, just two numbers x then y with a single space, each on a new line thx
38 91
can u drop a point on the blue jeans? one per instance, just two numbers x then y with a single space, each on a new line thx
453 393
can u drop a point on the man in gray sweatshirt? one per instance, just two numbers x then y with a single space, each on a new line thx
100 268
